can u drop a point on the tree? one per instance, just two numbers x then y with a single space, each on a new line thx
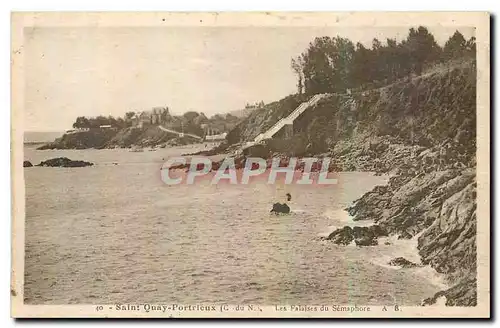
456 46
298 68
470 47
200 119
318 75
362 65
341 61
327 65
335 64
81 122
190 116
422 48
391 62
376 45
129 115
120 123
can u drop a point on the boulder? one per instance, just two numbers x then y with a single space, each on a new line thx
402 262
27 164
64 162
280 208
342 236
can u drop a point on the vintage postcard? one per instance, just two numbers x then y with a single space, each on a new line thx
251 165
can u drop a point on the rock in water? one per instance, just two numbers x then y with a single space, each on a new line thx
280 208
343 236
27 164
362 236
402 262
64 162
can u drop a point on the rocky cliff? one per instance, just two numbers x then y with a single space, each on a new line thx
423 111
421 130
439 209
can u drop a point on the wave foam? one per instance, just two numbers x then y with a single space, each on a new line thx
344 219
406 248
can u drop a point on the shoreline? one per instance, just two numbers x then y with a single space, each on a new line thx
391 247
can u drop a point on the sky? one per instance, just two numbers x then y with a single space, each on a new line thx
86 71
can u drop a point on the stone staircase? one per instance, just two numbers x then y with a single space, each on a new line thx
289 119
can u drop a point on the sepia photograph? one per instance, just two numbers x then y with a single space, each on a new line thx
250 165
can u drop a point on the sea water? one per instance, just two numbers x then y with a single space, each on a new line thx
115 233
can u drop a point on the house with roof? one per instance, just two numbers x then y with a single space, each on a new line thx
155 116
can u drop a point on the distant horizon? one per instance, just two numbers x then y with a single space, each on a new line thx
40 136
44 131
110 71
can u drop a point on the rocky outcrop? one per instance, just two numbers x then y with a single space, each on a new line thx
343 236
27 164
462 294
94 138
403 263
150 136
362 236
440 207
378 199
449 244
64 162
